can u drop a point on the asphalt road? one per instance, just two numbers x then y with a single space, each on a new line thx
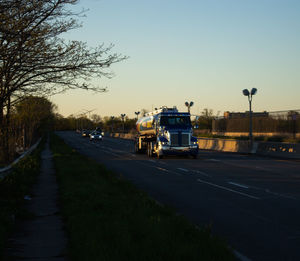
252 202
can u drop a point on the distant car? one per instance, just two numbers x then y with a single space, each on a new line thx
98 129
95 135
85 133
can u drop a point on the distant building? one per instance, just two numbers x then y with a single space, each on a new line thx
234 115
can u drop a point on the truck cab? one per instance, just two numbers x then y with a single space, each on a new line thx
166 132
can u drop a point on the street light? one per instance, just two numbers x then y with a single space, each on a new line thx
112 123
250 94
137 114
189 105
123 116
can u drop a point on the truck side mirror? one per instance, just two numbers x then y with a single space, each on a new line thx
153 122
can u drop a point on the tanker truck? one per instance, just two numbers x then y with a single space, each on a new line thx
166 131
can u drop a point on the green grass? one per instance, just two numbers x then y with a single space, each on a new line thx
13 188
107 218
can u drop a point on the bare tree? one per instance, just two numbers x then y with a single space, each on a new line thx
34 60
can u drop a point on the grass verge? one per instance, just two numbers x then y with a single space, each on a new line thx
13 188
107 218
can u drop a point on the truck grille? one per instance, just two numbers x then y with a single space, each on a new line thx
174 139
180 139
185 139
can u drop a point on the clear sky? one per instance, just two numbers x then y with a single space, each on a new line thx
192 50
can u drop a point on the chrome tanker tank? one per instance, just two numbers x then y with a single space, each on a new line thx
145 126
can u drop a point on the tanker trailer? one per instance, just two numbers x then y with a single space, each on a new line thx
166 132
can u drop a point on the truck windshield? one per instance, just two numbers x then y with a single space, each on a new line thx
175 121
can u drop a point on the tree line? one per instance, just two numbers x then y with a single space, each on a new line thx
106 124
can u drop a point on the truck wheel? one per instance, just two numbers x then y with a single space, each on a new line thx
149 149
136 147
159 156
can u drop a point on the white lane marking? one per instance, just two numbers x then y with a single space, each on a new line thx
202 173
261 168
278 194
162 169
109 152
240 256
213 160
228 189
238 185
182 169
162 162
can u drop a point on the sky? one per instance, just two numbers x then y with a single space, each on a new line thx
205 51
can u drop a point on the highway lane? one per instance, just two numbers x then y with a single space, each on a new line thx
253 202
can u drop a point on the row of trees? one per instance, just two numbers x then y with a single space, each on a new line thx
203 122
107 124
35 60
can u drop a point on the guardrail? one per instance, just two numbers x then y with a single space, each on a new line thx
276 149
5 171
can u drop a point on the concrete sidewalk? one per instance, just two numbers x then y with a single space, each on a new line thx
41 238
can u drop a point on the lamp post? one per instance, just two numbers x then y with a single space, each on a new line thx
250 94
137 114
112 123
123 116
189 105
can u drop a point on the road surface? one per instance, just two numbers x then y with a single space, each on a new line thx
252 202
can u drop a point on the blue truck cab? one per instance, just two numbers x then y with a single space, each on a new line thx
166 132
